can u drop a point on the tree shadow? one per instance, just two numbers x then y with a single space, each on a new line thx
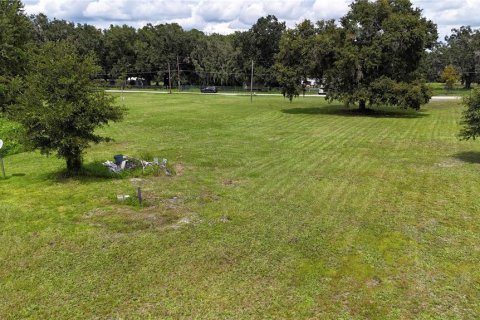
90 172
346 112
469 156
18 174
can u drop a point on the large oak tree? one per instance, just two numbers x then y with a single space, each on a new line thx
372 57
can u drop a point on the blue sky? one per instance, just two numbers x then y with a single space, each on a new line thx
226 16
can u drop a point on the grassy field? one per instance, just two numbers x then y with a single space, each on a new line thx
277 210
438 89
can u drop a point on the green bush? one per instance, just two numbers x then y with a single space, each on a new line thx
471 116
10 133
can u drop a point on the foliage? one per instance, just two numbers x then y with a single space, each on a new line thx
213 60
463 50
61 107
260 44
378 46
433 62
11 134
293 59
15 30
471 116
388 92
450 76
160 45
290 81
120 50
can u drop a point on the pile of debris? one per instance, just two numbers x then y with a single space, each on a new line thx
123 163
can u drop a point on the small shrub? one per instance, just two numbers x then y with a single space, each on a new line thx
11 134
471 116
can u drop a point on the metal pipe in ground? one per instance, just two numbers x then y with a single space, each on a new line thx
139 195
3 167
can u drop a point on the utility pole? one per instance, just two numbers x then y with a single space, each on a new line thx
178 74
169 79
251 84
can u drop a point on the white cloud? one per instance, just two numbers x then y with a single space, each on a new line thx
226 16
104 10
328 9
218 11
250 13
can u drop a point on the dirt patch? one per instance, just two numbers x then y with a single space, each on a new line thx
225 219
179 169
190 219
136 181
231 183
124 219
449 163
373 282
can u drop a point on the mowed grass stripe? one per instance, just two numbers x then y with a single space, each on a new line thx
297 211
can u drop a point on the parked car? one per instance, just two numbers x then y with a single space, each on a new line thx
209 89
321 91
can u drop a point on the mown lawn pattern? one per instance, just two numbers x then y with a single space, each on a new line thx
301 210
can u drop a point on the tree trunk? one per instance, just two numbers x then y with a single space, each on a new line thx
362 106
468 83
74 162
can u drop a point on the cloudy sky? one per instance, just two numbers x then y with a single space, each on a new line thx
226 16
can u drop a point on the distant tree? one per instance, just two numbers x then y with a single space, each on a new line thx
85 37
260 44
160 45
15 35
471 116
450 76
45 30
120 52
306 51
373 56
61 106
214 60
295 57
89 39
433 62
464 53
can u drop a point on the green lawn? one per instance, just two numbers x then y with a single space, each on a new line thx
438 89
277 210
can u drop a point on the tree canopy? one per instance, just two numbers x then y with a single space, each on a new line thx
61 106
15 35
464 51
450 75
372 57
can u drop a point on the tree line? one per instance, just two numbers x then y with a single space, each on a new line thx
380 53
197 58
148 52
461 51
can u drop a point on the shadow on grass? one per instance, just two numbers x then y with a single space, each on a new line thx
469 156
18 174
96 172
90 172
13 175
342 111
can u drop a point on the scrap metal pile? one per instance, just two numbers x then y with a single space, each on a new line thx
123 163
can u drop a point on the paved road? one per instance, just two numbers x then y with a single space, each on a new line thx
435 98
442 98
218 93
